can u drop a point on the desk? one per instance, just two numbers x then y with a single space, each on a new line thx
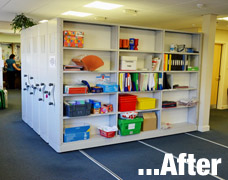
17 84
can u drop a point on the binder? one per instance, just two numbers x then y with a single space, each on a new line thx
164 62
183 62
155 81
135 81
125 82
170 59
129 86
121 82
166 84
159 81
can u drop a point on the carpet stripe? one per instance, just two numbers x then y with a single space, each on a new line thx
217 177
100 165
207 140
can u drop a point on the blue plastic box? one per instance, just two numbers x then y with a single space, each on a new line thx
80 132
109 87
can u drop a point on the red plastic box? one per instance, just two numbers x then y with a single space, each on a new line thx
127 102
107 134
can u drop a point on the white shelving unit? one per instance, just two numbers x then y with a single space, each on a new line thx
43 57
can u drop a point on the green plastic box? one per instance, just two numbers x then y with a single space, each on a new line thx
130 126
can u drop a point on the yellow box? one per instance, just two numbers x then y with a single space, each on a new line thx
145 103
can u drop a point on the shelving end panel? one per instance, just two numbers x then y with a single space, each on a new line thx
54 86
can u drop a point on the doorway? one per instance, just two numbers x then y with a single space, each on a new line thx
216 75
7 50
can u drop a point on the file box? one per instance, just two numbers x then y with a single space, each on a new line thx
128 63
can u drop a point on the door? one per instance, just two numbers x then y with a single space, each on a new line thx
216 75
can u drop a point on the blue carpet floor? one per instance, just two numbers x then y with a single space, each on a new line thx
126 159
25 156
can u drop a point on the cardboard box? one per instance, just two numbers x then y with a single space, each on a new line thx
149 121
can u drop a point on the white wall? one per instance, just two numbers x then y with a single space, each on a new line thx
10 38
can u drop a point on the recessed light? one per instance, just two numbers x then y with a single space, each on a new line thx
99 18
200 5
74 13
224 18
131 11
103 5
43 21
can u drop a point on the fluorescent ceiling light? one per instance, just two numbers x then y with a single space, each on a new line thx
103 5
43 21
74 13
224 18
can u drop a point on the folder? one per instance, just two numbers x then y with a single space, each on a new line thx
155 81
135 81
121 82
129 86
151 82
125 82
143 81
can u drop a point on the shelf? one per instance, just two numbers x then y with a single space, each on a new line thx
87 72
179 89
178 107
139 71
97 140
102 40
88 94
135 92
91 115
183 53
181 71
140 51
89 49
147 110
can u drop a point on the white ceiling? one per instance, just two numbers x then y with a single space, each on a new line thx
172 14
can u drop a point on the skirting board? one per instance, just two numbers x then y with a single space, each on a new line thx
222 107
204 128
